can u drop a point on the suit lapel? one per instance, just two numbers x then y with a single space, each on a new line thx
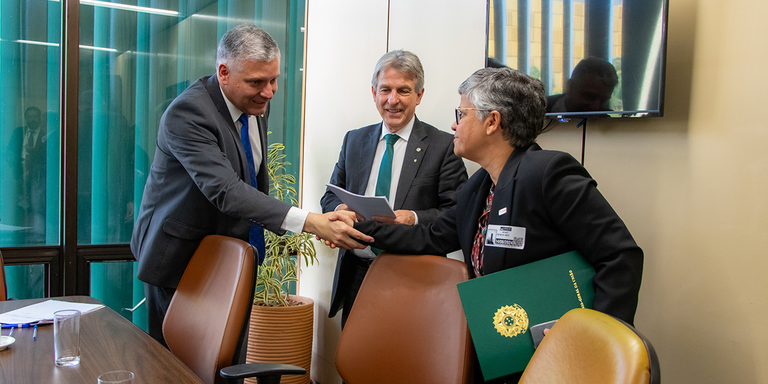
212 86
364 159
501 209
414 156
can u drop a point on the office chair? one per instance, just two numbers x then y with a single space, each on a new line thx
589 347
407 324
3 285
208 310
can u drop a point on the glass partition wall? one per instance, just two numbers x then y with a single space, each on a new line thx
66 216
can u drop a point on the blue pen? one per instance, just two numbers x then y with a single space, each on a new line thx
34 333
20 325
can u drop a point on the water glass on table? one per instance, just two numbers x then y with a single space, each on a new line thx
116 377
66 337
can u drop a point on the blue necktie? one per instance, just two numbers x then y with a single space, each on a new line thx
256 233
384 181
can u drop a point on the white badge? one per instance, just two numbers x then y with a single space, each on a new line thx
505 236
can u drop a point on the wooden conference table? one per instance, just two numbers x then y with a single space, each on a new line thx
108 342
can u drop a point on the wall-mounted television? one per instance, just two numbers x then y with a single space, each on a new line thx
596 58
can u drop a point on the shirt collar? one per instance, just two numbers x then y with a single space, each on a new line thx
233 111
404 133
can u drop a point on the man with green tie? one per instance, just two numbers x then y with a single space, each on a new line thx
402 158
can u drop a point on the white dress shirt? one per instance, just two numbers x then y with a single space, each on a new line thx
296 217
397 166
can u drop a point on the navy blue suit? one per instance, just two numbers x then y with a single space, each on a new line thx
430 176
198 185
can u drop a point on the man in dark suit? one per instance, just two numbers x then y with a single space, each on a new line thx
27 158
545 200
202 179
424 174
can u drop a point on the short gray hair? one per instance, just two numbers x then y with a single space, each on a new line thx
402 61
245 42
518 98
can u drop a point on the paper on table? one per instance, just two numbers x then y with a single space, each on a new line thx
365 205
43 312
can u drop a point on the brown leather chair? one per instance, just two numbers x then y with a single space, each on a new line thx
208 310
407 324
3 285
589 347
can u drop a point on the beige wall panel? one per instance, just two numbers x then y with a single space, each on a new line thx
693 188
449 38
345 39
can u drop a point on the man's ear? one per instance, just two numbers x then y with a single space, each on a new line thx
493 123
222 72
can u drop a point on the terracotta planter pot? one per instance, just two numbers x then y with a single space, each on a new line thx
282 335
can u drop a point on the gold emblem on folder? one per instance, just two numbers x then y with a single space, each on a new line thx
511 320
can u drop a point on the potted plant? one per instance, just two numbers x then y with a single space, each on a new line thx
279 269
282 325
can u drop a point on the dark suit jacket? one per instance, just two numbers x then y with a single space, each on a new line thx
198 185
557 202
430 176
30 173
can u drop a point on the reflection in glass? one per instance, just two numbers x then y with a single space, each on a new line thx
575 46
589 88
25 281
29 123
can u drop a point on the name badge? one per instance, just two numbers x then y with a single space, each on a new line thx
505 236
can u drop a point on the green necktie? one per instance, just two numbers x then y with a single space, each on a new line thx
384 180
385 170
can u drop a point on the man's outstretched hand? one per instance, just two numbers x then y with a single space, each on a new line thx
335 229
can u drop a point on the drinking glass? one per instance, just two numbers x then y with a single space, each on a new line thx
66 337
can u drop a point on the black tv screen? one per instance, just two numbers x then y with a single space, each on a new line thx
596 58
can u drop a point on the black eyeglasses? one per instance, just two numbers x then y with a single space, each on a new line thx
460 114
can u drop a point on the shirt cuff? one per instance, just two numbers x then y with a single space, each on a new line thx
415 218
294 220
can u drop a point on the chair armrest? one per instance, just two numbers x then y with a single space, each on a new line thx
265 373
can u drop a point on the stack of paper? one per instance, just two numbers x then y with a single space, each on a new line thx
367 206
43 312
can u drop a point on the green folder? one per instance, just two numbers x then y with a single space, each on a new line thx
503 306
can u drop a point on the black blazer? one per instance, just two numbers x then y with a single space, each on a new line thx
430 176
198 185
557 202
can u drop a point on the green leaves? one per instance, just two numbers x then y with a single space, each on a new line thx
283 253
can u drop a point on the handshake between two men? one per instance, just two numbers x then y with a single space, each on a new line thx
343 235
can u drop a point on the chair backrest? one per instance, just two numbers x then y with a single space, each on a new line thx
3 286
407 324
590 347
206 314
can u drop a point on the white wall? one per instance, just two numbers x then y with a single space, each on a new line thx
345 39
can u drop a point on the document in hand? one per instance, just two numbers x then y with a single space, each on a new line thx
365 205
501 307
43 312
